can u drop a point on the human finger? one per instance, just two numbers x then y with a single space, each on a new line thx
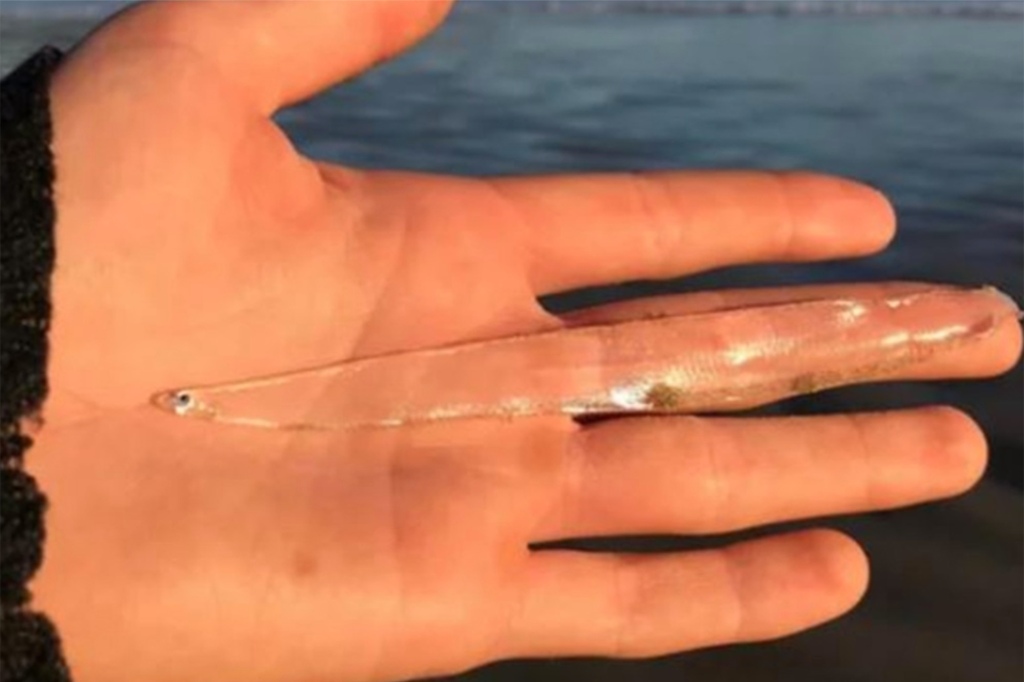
987 355
617 605
727 299
281 52
589 230
694 475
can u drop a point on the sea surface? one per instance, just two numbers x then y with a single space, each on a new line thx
929 109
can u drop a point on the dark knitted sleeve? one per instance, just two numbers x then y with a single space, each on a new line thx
30 648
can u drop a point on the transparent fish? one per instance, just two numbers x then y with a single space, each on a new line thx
710 361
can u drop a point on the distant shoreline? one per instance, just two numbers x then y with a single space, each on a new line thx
934 8
995 9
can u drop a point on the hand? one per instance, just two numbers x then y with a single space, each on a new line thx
195 245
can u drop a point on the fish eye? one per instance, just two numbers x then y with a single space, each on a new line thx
182 401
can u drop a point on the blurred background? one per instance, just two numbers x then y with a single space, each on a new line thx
924 100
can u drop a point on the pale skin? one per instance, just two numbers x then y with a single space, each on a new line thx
196 245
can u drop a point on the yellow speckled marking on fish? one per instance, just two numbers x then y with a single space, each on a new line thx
661 396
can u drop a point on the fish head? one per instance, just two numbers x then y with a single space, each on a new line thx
184 403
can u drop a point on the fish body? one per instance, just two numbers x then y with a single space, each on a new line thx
711 361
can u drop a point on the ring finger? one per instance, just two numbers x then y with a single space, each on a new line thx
694 475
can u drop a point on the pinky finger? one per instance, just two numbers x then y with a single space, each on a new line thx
628 606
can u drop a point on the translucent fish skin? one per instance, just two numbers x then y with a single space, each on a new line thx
704 362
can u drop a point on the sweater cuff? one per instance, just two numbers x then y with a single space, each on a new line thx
31 648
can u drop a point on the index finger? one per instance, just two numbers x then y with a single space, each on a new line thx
591 230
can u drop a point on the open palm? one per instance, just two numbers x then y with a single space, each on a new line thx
196 245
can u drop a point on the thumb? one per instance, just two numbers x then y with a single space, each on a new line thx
282 52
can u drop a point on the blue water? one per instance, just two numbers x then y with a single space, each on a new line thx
931 110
